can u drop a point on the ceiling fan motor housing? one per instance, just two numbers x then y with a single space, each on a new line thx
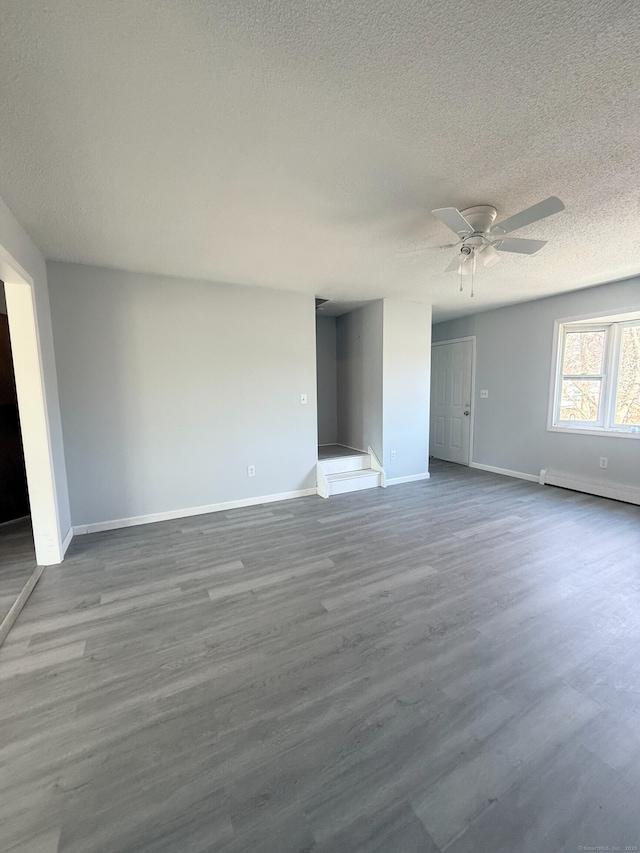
481 217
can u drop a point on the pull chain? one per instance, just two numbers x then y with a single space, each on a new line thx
473 272
472 264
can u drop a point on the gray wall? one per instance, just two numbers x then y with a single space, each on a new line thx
406 387
514 354
170 388
326 373
359 347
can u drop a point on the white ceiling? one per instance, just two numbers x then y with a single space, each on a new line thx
300 144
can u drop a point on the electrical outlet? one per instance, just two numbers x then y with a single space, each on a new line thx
251 470
484 395
303 399
393 455
604 462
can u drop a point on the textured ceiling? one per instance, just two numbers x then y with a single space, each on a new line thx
300 144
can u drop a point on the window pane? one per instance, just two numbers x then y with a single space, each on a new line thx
580 400
628 394
583 353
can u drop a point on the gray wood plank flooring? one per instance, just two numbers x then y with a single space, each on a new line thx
450 665
17 561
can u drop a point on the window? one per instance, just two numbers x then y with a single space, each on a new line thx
597 381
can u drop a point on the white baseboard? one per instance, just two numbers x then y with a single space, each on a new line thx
99 526
507 473
66 542
629 494
412 478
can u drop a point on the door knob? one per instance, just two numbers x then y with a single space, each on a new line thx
466 412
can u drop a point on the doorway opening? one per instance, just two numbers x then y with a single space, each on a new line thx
35 409
346 461
14 499
340 426
17 552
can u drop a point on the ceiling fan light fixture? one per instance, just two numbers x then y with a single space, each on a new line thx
480 236
489 256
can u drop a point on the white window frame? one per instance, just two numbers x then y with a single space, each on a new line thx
609 377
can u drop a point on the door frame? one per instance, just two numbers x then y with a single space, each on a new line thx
472 416
33 410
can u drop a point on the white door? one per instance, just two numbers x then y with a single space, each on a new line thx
451 366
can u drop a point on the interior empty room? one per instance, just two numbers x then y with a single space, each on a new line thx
320 427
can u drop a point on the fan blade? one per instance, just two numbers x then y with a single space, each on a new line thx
424 249
452 218
489 256
538 211
519 245
455 263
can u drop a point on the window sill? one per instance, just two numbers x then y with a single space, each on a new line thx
609 433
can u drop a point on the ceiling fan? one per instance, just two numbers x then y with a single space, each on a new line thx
479 237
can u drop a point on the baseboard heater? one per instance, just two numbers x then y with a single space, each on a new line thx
630 494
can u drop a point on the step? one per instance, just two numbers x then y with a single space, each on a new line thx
340 464
353 481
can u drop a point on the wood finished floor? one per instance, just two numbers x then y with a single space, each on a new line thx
17 561
444 665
